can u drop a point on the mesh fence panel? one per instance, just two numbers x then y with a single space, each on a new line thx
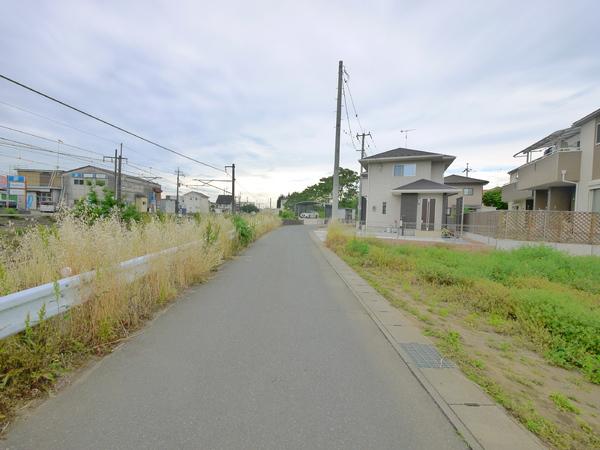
548 226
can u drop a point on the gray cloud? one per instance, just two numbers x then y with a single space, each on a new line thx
254 82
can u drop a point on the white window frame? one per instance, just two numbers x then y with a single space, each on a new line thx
401 169
468 189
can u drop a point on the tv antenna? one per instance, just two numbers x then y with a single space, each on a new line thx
405 132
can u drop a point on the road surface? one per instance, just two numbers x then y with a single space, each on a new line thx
275 352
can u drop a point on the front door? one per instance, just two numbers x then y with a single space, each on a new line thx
408 211
427 214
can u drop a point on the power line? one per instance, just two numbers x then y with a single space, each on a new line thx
108 123
354 109
140 167
348 118
24 146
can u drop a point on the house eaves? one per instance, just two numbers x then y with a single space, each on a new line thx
590 116
424 186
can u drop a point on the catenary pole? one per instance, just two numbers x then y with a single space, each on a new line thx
336 162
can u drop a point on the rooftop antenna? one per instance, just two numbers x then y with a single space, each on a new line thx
405 132
468 169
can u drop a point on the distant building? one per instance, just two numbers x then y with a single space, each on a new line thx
470 189
43 188
77 183
223 203
167 204
195 202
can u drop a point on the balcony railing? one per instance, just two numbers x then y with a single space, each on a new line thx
547 170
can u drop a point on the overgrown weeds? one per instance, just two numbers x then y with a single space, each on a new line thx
537 298
31 361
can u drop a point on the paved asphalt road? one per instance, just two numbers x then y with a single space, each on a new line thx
273 353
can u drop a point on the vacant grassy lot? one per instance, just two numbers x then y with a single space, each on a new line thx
32 361
524 324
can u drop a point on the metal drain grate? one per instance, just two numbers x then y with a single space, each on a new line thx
426 356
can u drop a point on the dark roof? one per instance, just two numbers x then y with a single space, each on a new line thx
425 185
223 200
403 153
459 179
586 118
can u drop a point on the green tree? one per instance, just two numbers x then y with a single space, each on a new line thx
249 208
321 191
92 208
493 197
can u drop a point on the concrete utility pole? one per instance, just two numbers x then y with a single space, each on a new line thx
177 194
336 162
467 170
360 172
232 167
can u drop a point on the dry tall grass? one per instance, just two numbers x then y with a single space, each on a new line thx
32 360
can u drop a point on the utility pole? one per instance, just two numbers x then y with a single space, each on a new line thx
360 172
232 167
467 170
177 195
114 159
120 185
336 161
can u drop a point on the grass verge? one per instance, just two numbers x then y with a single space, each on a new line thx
524 324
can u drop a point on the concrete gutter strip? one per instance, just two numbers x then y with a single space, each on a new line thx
476 417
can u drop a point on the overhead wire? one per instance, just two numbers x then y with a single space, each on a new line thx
60 102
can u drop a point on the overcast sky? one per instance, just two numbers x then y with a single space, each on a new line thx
254 82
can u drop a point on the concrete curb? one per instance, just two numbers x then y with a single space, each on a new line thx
476 417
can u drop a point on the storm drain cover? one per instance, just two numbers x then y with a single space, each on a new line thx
426 356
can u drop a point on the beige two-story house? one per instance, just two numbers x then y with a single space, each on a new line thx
561 171
404 189
470 189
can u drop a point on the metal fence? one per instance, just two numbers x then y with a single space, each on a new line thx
58 297
572 227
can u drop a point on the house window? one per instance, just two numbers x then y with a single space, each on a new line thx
596 200
383 208
467 191
598 133
78 181
405 170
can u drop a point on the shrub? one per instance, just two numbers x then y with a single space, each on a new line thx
357 247
287 214
245 233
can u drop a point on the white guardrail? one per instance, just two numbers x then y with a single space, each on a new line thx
61 295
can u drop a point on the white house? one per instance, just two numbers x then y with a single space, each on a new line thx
195 202
404 189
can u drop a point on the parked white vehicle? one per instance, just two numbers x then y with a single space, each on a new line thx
309 215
